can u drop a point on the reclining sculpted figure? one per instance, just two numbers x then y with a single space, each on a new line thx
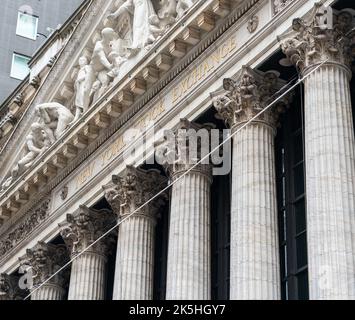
37 142
56 119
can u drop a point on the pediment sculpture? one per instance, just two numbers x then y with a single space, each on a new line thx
52 120
135 26
144 20
95 76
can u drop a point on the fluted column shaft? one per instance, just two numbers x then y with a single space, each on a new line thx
330 171
89 268
255 271
135 259
88 277
49 292
189 253
324 59
134 274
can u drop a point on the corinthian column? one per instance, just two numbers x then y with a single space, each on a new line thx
255 271
330 154
10 288
189 252
136 237
89 270
44 260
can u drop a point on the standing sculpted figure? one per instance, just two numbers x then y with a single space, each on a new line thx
83 85
37 143
95 91
56 119
143 13
100 61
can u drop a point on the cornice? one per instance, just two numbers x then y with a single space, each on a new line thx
63 32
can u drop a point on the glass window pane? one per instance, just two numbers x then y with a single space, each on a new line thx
300 213
19 68
27 26
295 115
283 261
301 244
299 180
298 149
283 227
284 290
302 283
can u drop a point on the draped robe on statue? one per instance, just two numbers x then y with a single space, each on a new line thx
142 11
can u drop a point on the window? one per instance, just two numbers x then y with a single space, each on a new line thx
161 254
19 68
27 26
220 236
292 205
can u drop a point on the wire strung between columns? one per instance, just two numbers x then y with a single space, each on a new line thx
292 87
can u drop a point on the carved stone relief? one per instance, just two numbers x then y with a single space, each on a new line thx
9 288
45 260
132 189
52 120
137 24
280 5
249 95
83 228
253 23
326 35
32 220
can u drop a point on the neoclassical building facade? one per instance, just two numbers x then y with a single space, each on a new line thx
87 210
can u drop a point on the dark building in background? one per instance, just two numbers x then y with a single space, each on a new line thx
24 27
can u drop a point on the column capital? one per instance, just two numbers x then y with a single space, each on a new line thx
183 147
244 98
326 34
84 227
130 190
45 260
9 288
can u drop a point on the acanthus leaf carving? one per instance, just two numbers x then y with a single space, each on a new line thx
132 189
83 228
246 97
10 289
324 36
45 260
182 149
